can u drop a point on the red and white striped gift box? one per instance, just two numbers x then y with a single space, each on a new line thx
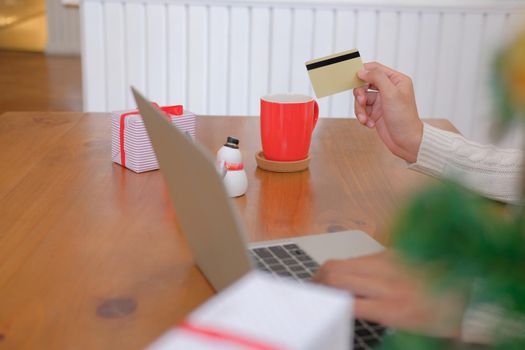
130 144
261 312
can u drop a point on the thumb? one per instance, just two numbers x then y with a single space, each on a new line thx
379 79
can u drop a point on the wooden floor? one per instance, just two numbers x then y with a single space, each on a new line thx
36 82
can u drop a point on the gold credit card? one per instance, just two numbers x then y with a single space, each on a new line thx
335 73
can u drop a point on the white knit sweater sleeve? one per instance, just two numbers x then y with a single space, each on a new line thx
488 170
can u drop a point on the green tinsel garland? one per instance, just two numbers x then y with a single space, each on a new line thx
468 243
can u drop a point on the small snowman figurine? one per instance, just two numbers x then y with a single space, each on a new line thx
229 162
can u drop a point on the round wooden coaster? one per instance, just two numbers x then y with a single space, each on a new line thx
281 167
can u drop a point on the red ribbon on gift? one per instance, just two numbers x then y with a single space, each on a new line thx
227 337
169 110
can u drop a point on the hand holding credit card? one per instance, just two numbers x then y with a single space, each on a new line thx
335 73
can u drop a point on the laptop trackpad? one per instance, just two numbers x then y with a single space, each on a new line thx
338 245
333 245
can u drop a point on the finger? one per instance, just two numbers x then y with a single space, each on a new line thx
380 264
361 286
371 97
379 79
374 310
343 266
362 100
389 314
363 108
360 94
360 112
395 76
372 87
377 65
365 96
363 119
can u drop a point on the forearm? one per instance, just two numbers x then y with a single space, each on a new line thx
490 171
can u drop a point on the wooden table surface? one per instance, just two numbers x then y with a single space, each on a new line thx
90 253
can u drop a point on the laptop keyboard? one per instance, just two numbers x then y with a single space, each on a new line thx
288 260
367 334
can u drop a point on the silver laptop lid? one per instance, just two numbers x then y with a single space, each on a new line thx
204 211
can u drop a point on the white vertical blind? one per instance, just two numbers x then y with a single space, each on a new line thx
448 65
156 52
344 36
387 37
426 61
301 50
259 68
281 46
239 60
468 72
135 50
177 28
323 44
198 65
407 42
220 57
63 28
116 76
218 54
94 58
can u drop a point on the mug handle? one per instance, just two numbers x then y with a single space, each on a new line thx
316 113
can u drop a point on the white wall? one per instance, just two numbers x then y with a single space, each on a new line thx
218 57
63 24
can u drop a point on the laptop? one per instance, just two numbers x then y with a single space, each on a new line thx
215 233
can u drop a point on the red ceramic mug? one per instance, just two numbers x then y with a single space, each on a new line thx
287 124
